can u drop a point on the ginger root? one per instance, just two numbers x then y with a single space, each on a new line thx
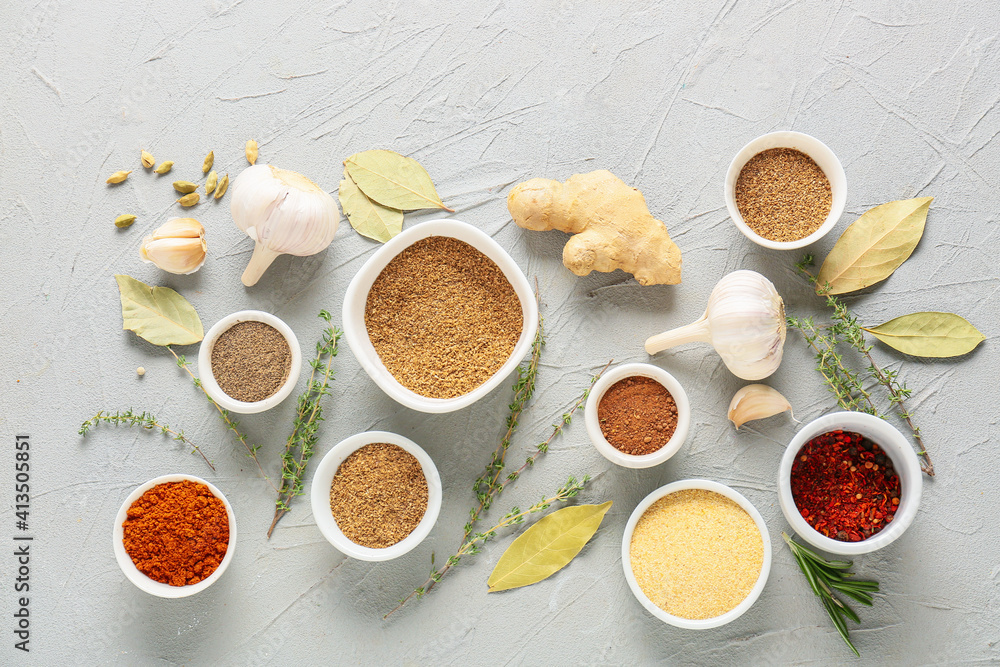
612 226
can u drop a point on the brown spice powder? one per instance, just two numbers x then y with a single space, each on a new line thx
638 415
696 554
783 195
442 317
251 361
378 495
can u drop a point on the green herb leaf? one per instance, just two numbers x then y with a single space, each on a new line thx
874 246
393 180
158 314
547 547
368 218
929 334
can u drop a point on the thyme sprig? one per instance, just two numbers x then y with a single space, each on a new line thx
827 577
473 544
141 420
301 442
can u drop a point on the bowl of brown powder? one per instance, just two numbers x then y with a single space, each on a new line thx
249 361
376 495
696 554
785 190
439 316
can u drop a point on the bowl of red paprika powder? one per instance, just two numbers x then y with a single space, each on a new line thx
851 475
174 536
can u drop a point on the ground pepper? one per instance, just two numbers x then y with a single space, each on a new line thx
845 486
251 361
638 415
177 533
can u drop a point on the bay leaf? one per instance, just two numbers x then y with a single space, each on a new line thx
368 218
393 180
929 334
547 547
874 246
158 314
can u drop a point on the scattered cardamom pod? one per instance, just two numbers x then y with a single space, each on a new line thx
164 167
117 177
189 199
211 182
251 151
147 159
221 188
124 221
184 187
209 161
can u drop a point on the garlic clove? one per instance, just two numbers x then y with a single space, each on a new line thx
756 401
179 228
178 246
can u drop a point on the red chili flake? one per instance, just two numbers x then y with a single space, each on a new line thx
838 488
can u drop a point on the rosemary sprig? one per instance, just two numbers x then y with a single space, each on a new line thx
142 420
827 576
308 414
473 544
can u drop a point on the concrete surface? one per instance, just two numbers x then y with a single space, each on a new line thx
663 94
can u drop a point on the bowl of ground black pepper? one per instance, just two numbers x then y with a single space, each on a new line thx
376 495
785 190
249 361
174 536
849 483
439 316
637 415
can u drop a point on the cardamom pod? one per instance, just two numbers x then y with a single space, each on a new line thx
147 159
209 161
184 187
117 177
221 188
251 151
164 167
211 182
189 199
124 221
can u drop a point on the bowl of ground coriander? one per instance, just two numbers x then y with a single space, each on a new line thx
439 316
249 361
376 495
696 554
785 190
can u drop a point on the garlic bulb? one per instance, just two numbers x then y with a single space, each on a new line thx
178 246
756 401
284 213
744 321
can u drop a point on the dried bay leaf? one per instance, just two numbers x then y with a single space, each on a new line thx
393 180
874 246
547 547
929 334
158 314
368 218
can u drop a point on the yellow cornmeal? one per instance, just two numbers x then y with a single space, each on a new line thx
696 554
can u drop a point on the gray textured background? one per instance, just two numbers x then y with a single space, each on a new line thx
484 96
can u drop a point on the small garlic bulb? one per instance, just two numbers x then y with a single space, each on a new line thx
178 246
284 213
744 322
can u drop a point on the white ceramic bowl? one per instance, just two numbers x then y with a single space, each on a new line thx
319 496
821 155
687 623
606 449
226 401
904 461
152 586
356 333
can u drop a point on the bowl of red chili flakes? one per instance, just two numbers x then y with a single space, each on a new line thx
174 536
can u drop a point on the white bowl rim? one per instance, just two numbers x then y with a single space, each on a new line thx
224 400
356 333
721 489
152 586
319 496
812 147
904 461
593 424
